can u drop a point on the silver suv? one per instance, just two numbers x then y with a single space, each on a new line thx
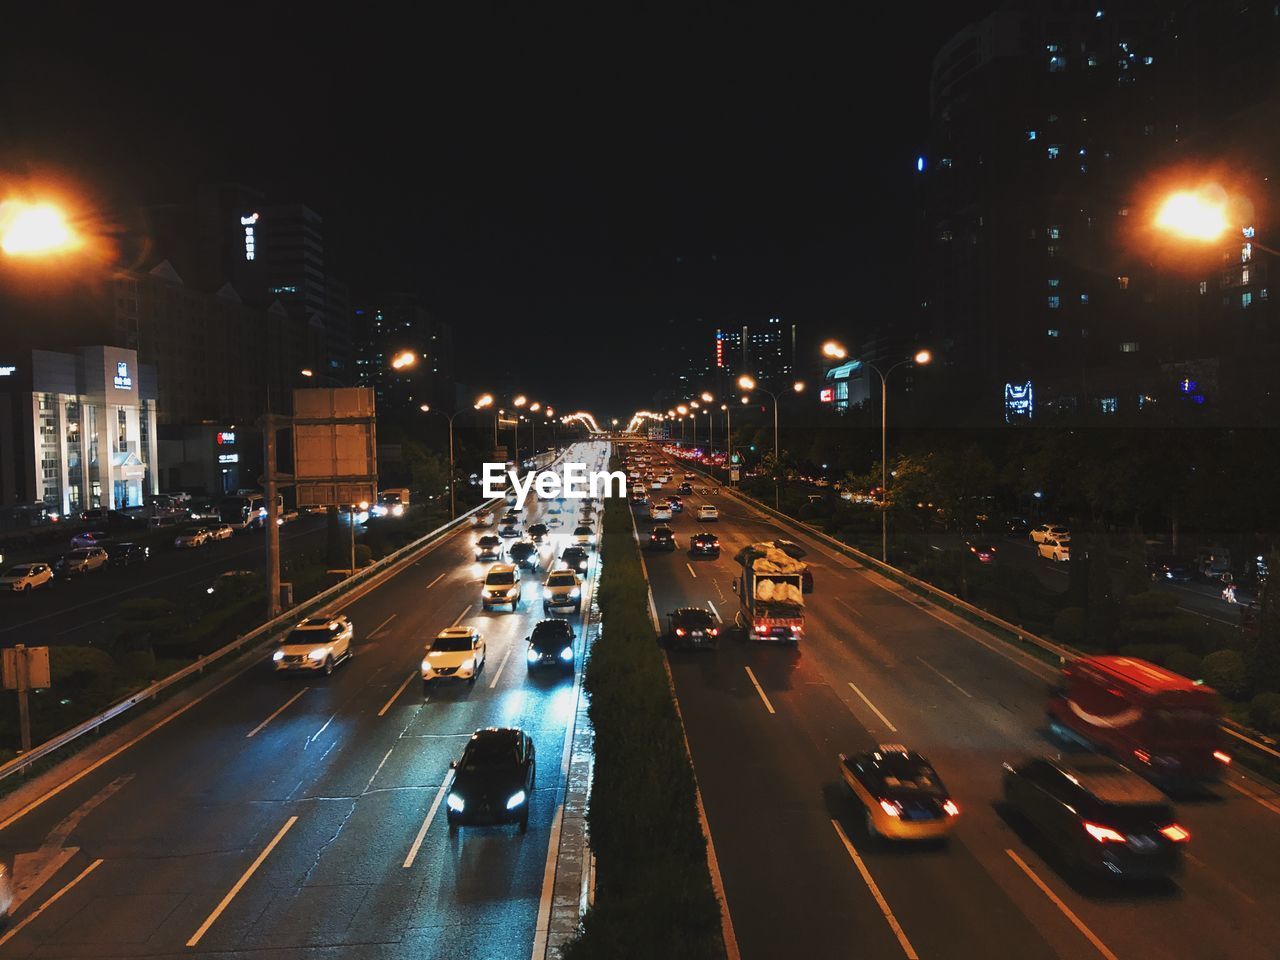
562 590
501 587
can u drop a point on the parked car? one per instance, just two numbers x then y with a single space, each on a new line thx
190 539
692 627
317 643
1213 563
126 554
1045 531
1102 817
79 562
89 538
222 531
1172 569
456 653
493 780
25 577
1059 551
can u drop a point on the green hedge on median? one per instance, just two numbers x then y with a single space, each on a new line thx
653 888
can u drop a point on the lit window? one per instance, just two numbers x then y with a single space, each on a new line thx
1051 250
1129 346
1092 61
1053 332
1262 294
1084 298
1108 404
1055 233
1051 47
1245 300
1124 282
1148 60
1204 287
1053 151
1031 134
1057 64
1054 302
1244 275
1246 252
1054 281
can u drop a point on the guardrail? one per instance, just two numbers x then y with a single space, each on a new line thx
1239 732
258 636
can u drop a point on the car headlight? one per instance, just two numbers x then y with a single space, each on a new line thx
515 800
467 664
456 803
426 665
532 656
567 653
575 593
317 654
278 655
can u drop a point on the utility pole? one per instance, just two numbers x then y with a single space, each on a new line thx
24 709
273 517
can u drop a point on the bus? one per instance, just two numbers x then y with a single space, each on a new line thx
247 510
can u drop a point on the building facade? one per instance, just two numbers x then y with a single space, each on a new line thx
78 430
392 323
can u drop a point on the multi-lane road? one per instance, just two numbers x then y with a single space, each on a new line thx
300 816
877 664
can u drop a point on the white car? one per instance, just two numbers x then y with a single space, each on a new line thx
655 484
483 519
1049 531
1059 551
708 512
562 589
501 587
25 577
84 560
90 538
456 652
317 643
191 538
659 510
223 531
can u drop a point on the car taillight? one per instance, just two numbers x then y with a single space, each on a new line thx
950 807
712 632
679 631
1176 833
1103 834
891 808
1222 757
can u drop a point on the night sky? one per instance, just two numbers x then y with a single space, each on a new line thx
532 179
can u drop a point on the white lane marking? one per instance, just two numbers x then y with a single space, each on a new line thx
543 925
849 606
502 663
244 878
691 573
279 710
422 831
465 611
874 708
399 690
436 580
898 932
944 676
1066 911
1262 801
13 931
719 619
374 631
759 690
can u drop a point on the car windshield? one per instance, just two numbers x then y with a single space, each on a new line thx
17 571
488 541
490 752
500 579
562 580
77 554
304 636
900 773
582 530
450 644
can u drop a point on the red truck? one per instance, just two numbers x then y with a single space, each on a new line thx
1160 723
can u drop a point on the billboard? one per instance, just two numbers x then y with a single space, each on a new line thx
335 446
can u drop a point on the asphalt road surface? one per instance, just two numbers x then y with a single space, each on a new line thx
879 665
300 817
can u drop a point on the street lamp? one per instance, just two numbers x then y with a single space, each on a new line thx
480 403
1201 216
403 360
834 350
749 383
32 230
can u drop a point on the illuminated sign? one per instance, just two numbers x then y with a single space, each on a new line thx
226 438
827 395
228 458
1019 401
719 349
250 240
122 380
8 371
1187 385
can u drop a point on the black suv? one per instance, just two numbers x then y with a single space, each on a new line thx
126 554
493 779
692 627
524 553
704 545
662 538
1101 816
575 558
551 645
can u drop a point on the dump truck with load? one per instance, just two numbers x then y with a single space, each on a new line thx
771 591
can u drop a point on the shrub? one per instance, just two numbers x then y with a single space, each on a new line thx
1264 712
1224 670
364 555
1068 625
1185 663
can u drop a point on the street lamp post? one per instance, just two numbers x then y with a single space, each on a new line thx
749 383
921 358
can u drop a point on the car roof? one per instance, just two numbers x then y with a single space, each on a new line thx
511 734
1107 780
683 612
316 623
502 568
457 632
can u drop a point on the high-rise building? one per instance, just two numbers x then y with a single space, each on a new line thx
394 322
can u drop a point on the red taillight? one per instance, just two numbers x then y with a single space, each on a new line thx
950 807
891 808
713 631
679 631
1142 756
1176 833
1222 757
1103 834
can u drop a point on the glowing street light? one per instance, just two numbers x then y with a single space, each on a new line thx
307 372
682 409
403 360
485 400
920 359
521 400
34 230
749 383
746 382
425 407
535 407
834 350
1193 215
923 357
798 386
707 398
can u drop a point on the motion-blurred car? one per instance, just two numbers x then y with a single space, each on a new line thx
501 587
190 539
1102 817
482 519
538 532
563 589
126 554
981 551
662 538
509 527
489 547
692 627
676 504
25 577
456 653
1172 570
902 796
493 779
575 558
317 643
79 562
551 645
704 545
89 538
708 511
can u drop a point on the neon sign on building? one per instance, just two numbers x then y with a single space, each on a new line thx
1019 401
250 240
